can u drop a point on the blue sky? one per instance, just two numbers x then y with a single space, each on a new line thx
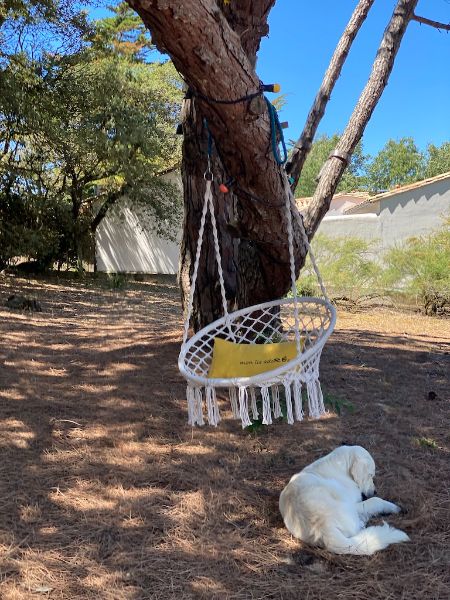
416 102
303 35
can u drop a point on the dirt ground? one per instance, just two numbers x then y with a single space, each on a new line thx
106 493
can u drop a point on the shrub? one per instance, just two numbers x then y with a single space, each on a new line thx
346 266
40 230
421 267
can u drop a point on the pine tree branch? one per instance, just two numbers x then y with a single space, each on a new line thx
436 24
333 169
303 145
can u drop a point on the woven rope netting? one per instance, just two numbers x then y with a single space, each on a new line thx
274 393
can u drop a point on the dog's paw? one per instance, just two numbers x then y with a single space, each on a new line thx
401 536
398 509
389 508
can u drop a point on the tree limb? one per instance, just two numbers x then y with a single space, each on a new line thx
381 70
111 199
436 24
248 18
301 149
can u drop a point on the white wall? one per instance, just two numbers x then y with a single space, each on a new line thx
366 227
414 213
124 245
396 217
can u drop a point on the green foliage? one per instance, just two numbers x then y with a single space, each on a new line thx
424 442
421 268
80 128
117 281
32 227
352 179
336 404
438 159
397 163
347 267
122 34
38 26
417 269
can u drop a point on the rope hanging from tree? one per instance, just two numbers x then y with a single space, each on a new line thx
266 354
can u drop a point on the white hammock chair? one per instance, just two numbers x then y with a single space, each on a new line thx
306 321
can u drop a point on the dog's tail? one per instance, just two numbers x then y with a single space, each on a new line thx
366 542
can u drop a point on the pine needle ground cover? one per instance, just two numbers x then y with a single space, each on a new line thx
106 493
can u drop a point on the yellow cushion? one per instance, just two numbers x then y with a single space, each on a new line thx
244 360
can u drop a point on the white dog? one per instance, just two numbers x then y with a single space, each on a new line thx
322 505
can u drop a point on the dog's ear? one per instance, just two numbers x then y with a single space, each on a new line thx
358 470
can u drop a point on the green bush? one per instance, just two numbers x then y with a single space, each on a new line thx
40 229
346 266
117 281
420 267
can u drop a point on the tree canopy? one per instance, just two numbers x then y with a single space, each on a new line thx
399 162
80 129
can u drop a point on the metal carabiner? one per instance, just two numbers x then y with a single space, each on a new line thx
208 175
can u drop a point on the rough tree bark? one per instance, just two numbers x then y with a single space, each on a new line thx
213 45
240 259
218 67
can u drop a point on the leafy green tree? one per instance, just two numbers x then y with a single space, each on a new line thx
83 129
438 159
353 178
398 163
122 34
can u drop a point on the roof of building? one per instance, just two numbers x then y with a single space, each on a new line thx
357 195
399 190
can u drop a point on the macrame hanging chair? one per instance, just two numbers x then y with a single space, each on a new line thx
266 354
293 331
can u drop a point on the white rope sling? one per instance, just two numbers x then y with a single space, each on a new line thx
307 321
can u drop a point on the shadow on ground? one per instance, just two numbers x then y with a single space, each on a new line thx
106 493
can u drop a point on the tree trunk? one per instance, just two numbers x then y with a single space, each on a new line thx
207 300
111 199
240 259
222 70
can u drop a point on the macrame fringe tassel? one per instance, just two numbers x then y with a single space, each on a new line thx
288 398
212 406
323 410
298 399
195 405
234 402
277 412
241 402
315 399
267 415
190 397
199 406
255 412
243 407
